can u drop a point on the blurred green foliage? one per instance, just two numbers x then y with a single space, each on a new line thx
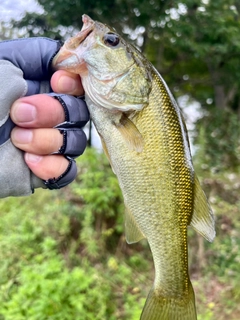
62 253
64 256
218 141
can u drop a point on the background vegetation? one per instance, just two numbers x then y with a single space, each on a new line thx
63 254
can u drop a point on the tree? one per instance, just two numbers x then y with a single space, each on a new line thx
195 44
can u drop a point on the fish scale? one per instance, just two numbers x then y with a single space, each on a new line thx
145 139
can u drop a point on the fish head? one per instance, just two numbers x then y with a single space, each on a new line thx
114 74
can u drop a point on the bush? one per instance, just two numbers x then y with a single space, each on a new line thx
48 290
56 252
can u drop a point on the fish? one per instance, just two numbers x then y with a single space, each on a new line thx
144 136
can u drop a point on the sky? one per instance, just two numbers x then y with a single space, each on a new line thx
15 9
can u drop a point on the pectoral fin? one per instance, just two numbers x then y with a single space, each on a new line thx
202 219
130 133
133 232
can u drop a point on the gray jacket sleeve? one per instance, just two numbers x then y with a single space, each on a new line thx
15 177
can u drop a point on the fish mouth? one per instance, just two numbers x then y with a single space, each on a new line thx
68 57
87 28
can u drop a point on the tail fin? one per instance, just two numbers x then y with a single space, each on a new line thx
162 308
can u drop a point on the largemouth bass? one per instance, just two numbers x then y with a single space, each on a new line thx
145 139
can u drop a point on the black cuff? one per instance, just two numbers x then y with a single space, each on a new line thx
64 179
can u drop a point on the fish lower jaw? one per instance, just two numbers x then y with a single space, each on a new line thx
69 63
66 60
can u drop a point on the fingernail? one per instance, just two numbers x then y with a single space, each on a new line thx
66 84
23 112
22 136
33 158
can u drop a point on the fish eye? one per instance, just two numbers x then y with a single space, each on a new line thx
111 39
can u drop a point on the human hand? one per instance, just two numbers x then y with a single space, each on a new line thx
35 117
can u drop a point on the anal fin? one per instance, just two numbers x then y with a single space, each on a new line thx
132 230
202 219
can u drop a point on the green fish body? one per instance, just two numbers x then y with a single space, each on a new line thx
145 139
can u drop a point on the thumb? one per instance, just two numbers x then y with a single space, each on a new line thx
66 82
